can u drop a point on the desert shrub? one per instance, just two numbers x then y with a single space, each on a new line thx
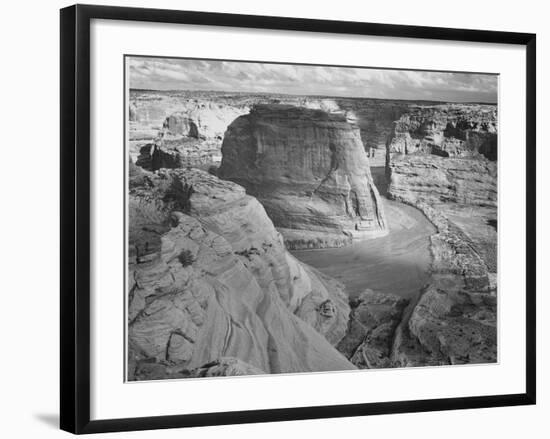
179 194
186 258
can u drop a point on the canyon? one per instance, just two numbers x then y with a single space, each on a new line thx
454 319
210 279
283 234
309 170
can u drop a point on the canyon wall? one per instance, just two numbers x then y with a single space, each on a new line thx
375 118
447 130
200 118
442 160
191 136
438 180
212 290
309 170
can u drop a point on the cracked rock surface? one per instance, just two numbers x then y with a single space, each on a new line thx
309 170
209 278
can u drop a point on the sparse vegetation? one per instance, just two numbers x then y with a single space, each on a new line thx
186 258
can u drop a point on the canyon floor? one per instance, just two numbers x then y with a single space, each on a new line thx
397 263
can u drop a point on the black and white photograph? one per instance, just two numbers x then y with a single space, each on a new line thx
267 220
295 218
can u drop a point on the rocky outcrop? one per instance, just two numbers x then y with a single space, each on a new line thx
434 180
309 170
222 367
454 321
375 118
448 130
182 152
209 278
204 120
442 160
373 321
179 129
187 138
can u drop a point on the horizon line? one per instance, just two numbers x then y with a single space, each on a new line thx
309 95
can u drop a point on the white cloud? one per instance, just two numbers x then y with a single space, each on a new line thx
192 74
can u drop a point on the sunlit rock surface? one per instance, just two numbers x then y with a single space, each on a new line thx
309 170
209 277
373 321
222 367
442 160
448 130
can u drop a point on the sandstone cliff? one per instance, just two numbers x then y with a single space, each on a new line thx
309 170
204 120
189 137
438 180
455 318
224 366
442 160
448 130
209 278
373 322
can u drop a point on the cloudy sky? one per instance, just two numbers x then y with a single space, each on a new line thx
185 74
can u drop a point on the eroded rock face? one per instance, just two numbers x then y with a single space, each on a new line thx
225 366
442 160
449 326
309 170
191 137
434 180
373 321
210 278
454 320
179 152
207 120
448 130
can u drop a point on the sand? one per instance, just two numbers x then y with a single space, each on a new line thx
397 263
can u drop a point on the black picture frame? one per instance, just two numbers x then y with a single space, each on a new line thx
75 217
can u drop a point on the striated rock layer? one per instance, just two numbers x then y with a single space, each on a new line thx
189 137
309 170
448 130
373 321
209 278
438 180
454 320
442 160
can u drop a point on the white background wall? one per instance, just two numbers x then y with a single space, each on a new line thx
29 187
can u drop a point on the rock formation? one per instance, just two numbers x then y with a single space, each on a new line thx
188 138
442 160
205 120
454 320
225 366
209 278
309 170
212 290
373 321
438 180
180 152
448 130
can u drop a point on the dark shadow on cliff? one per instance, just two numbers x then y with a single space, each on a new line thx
380 179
